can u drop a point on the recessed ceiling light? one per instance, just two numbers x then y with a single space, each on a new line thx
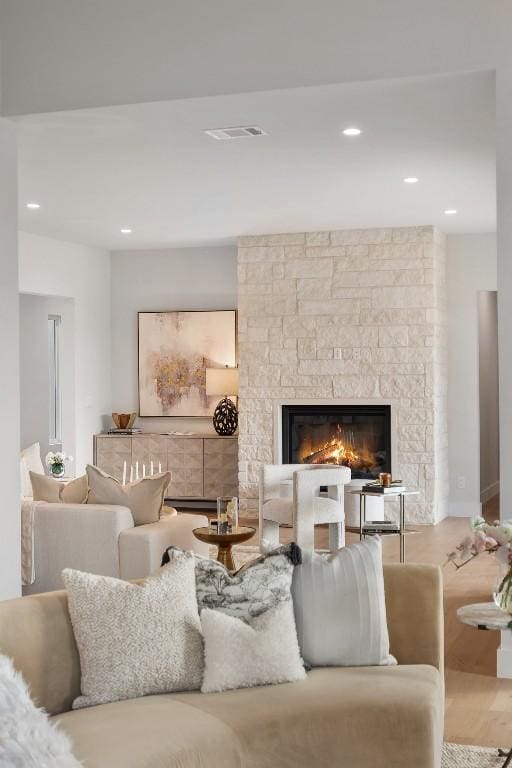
126 231
450 212
351 131
33 206
411 180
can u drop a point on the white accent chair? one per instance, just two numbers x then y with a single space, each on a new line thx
290 494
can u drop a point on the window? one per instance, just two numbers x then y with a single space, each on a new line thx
54 322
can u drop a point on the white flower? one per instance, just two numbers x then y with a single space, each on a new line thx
477 523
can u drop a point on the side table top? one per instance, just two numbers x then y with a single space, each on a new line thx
235 536
484 616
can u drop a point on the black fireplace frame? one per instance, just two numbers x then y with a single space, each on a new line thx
288 411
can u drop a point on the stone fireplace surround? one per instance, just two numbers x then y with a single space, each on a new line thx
351 316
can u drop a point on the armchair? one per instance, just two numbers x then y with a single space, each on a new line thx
306 506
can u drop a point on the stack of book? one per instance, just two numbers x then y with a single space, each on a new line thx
129 431
376 487
381 526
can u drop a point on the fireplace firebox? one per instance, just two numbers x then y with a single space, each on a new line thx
354 436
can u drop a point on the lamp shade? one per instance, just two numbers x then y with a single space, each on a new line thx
222 381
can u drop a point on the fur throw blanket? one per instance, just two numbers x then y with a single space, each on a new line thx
27 738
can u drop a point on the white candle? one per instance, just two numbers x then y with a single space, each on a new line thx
131 473
151 472
136 470
159 467
143 470
124 473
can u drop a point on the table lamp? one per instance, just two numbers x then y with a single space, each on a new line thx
223 381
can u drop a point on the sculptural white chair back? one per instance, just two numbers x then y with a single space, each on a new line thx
290 494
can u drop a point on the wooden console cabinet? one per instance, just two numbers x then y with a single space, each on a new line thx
202 467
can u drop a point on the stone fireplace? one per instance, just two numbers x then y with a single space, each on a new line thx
345 319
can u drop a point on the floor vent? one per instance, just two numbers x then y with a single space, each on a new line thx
237 132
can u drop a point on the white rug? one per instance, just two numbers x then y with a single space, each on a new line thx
462 756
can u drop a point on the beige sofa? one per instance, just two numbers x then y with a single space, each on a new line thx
370 717
103 539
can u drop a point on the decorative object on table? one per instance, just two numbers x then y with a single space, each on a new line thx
227 513
59 491
494 539
124 421
175 349
163 649
389 486
56 462
487 616
225 541
28 737
385 479
356 633
144 499
253 610
223 381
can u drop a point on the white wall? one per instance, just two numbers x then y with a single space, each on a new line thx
56 268
471 267
10 584
179 278
35 372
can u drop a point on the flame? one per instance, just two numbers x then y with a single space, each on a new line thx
340 450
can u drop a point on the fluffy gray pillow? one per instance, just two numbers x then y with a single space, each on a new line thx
340 607
136 639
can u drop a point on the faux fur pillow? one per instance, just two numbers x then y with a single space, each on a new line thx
143 498
27 738
136 639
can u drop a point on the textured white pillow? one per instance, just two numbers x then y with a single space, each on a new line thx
340 607
144 498
27 738
240 654
136 639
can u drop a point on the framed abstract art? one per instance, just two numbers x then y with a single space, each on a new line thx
175 349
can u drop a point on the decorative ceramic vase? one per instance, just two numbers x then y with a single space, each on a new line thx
503 593
58 470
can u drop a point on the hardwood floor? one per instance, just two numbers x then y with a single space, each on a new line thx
478 705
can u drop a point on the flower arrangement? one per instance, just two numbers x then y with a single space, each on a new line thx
56 461
495 539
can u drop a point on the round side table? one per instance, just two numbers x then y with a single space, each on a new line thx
225 541
487 616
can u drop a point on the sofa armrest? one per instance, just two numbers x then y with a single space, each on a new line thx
141 548
82 536
414 605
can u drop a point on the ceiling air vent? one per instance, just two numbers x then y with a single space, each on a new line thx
238 132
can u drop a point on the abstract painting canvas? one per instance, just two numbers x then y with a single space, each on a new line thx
175 349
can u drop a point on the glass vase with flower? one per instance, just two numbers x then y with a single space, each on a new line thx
56 463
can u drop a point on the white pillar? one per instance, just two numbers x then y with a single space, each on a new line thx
9 367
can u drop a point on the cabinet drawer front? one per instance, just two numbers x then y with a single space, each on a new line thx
185 483
184 453
150 449
111 455
114 445
220 453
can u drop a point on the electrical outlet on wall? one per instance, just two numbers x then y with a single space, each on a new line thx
337 353
461 482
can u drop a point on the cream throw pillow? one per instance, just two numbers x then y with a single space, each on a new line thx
136 639
49 489
340 607
145 498
30 461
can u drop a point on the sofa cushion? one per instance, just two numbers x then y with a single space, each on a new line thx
145 498
136 639
281 510
30 461
358 717
340 606
49 489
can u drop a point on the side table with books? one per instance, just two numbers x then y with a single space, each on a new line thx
396 492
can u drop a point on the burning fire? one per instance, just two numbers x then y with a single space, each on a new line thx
340 450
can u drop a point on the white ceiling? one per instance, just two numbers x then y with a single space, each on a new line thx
70 54
150 166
